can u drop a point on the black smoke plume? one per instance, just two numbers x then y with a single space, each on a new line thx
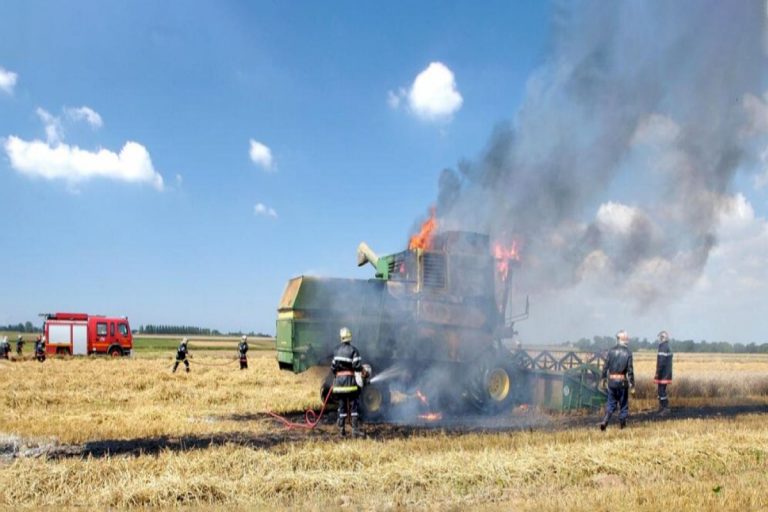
623 153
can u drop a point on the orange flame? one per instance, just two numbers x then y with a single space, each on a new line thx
431 416
503 256
422 397
423 239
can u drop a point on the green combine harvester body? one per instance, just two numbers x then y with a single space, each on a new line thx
434 312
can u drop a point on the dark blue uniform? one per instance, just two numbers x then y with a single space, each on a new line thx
242 348
40 350
620 374
181 356
663 374
346 361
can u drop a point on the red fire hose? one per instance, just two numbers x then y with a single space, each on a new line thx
311 419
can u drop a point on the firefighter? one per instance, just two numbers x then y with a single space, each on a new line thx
346 361
619 378
242 349
40 348
19 345
5 348
663 372
181 356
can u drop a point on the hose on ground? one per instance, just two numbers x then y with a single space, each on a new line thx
311 418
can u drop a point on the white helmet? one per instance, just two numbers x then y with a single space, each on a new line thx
244 338
345 334
183 341
663 336
622 337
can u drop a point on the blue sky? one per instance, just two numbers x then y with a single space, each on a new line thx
193 83
177 162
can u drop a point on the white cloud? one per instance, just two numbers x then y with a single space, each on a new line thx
264 210
7 80
74 165
86 114
54 132
261 155
616 217
55 160
433 96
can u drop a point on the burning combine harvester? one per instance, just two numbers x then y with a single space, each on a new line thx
431 325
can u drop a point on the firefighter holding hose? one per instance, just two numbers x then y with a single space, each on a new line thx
181 356
346 362
242 349
663 372
619 377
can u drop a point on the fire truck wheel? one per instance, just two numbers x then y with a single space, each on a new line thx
374 401
115 351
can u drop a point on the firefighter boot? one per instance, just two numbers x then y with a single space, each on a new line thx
356 427
622 423
341 424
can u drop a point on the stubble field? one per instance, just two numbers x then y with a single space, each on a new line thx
100 433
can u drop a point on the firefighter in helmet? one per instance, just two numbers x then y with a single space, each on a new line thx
181 355
346 361
5 348
242 349
663 372
619 378
40 348
19 345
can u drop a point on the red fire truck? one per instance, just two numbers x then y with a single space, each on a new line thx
83 334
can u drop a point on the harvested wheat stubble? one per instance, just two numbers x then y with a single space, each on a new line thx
101 433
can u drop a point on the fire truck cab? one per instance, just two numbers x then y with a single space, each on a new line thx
83 334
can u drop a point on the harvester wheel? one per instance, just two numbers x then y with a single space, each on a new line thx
499 384
492 389
374 401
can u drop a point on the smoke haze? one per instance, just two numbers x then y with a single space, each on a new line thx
661 100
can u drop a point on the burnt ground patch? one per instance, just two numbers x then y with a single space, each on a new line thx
279 435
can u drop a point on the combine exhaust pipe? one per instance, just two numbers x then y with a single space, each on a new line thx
366 255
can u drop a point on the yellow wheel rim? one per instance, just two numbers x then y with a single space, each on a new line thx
372 399
498 384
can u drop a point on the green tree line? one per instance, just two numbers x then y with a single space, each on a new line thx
597 343
178 329
192 331
25 327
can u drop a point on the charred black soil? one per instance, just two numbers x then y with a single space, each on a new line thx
325 431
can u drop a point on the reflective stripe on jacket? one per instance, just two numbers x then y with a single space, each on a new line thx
346 361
